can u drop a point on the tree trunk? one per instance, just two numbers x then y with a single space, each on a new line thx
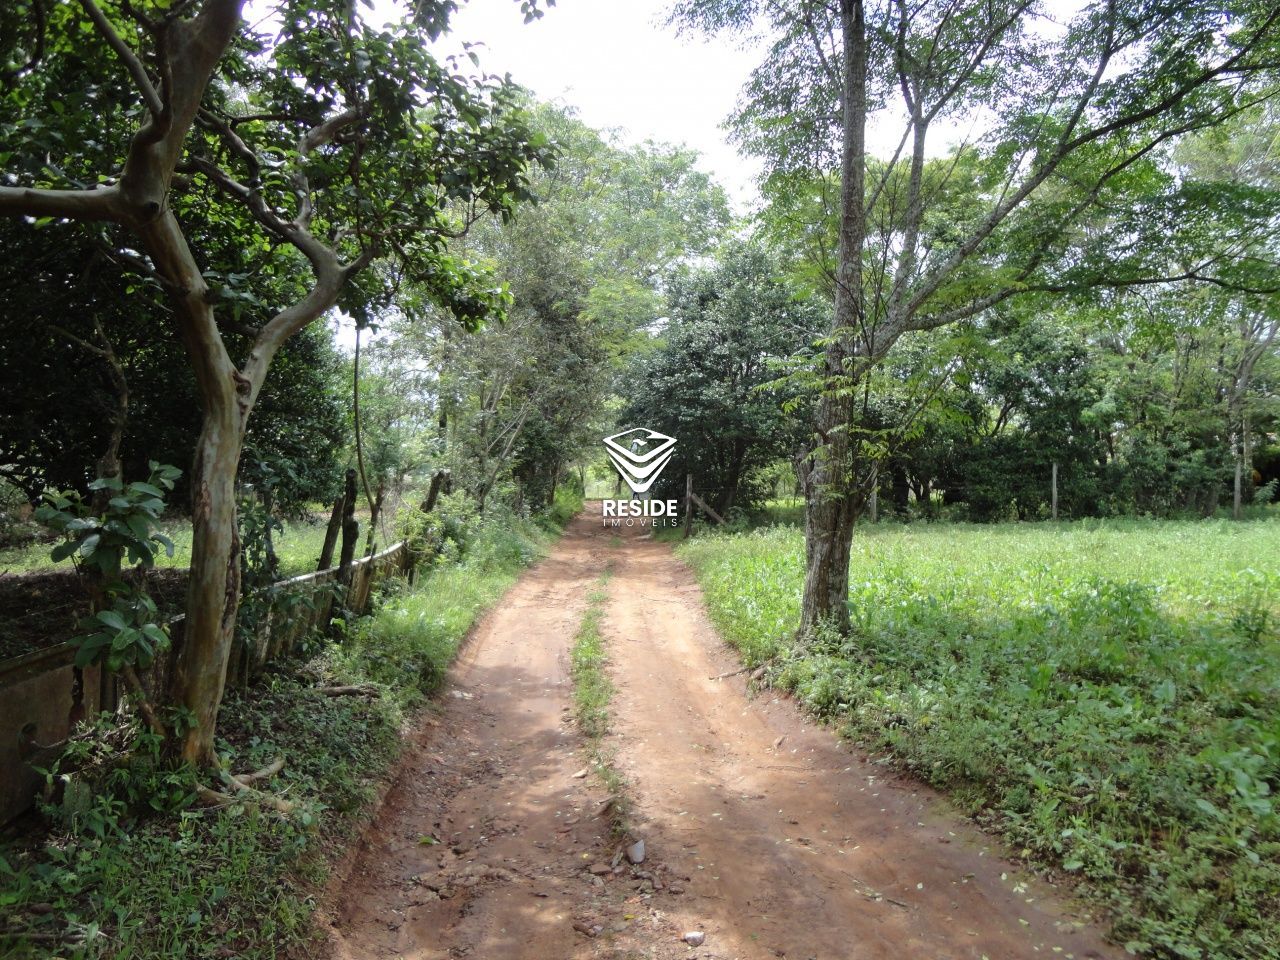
830 510
1237 501
433 492
555 482
828 533
213 595
375 511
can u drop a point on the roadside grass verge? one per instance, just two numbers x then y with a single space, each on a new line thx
592 693
108 880
1105 694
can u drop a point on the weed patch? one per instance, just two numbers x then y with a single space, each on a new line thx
592 692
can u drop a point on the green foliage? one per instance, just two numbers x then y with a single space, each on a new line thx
126 529
297 547
124 635
592 688
445 532
706 381
592 693
1103 693
511 408
53 428
123 632
567 505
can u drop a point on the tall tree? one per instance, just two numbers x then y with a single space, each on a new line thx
729 325
329 143
585 268
1070 114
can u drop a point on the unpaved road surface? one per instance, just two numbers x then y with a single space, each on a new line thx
762 832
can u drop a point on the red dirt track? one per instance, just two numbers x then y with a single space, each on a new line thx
762 831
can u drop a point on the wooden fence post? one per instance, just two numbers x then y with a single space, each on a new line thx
688 505
331 533
1055 489
350 530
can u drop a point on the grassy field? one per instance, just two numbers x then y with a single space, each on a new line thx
297 545
1105 693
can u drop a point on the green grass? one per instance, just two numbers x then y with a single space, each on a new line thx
592 693
297 545
1105 693
592 689
107 881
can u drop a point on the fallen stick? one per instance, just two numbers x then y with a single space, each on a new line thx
266 773
731 673
242 784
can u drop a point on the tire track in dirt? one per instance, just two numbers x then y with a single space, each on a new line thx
761 830
492 779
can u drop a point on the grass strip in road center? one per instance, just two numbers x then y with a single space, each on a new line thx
592 692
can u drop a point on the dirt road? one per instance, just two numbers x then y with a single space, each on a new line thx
763 833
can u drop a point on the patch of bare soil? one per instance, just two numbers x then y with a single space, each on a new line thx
44 607
764 834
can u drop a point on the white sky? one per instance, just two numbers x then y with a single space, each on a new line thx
619 64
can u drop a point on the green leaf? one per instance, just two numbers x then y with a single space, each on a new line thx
139 526
155 634
111 619
165 541
1208 808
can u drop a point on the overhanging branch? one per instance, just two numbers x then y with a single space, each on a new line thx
99 203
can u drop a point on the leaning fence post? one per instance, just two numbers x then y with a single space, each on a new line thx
331 533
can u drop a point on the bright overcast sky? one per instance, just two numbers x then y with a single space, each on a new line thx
619 64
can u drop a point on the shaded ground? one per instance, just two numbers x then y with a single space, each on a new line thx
762 832
41 608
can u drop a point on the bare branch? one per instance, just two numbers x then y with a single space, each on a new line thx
314 138
128 58
98 203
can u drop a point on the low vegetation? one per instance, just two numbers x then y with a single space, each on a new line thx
592 691
1107 694
130 869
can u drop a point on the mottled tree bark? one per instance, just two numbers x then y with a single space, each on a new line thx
827 473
